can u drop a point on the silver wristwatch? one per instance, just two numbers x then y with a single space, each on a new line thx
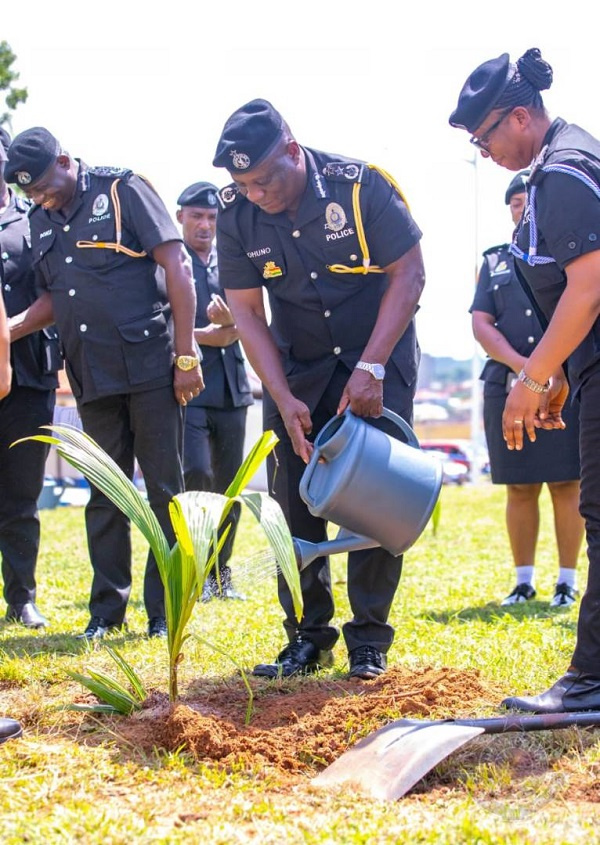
376 370
533 385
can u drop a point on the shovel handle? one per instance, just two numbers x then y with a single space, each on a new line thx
538 722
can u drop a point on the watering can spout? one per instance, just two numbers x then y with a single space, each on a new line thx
306 552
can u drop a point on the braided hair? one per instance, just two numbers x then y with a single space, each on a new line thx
532 75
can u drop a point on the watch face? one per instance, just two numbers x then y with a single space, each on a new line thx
379 371
186 362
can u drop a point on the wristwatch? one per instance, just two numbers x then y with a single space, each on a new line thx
533 385
186 362
376 370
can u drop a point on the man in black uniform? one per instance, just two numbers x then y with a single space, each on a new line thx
337 339
557 247
215 421
29 405
114 272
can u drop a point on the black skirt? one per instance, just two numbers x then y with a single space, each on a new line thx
553 457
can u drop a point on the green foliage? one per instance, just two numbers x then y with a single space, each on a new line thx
8 76
196 518
116 697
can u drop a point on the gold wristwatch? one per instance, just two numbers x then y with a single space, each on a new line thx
186 362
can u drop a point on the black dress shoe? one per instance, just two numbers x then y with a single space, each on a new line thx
9 729
27 614
98 627
157 627
366 662
301 656
573 692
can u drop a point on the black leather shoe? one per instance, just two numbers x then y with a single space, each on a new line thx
27 614
573 692
9 729
301 656
366 662
157 627
98 627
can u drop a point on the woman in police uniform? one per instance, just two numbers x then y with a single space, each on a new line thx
507 327
557 249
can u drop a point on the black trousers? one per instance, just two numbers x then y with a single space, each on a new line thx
373 574
147 426
213 449
22 412
586 657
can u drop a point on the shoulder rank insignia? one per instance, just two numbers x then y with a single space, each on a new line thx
227 196
113 172
497 248
271 270
344 171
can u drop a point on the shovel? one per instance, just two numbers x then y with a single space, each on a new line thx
388 763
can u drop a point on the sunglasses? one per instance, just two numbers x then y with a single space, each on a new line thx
483 142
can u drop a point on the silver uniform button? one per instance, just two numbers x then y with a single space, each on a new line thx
296 233
68 259
528 312
7 287
83 327
337 350
66 228
530 339
72 292
495 287
146 332
5 256
353 257
314 275
94 237
327 313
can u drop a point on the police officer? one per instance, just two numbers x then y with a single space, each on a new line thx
557 250
114 270
215 421
29 405
341 335
507 327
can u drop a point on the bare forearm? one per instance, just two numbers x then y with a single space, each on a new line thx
36 317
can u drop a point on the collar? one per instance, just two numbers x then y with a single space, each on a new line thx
553 130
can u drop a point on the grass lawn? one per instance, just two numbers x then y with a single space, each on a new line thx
80 777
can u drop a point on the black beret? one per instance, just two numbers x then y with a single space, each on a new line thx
481 92
30 155
4 143
249 135
202 194
518 185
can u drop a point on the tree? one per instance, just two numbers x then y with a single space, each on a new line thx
8 77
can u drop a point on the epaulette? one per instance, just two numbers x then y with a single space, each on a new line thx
112 172
495 249
346 171
228 196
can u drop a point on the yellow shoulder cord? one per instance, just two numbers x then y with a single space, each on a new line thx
366 267
117 246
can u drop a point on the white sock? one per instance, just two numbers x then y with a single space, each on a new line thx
525 575
567 576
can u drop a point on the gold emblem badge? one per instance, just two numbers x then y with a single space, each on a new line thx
335 216
271 270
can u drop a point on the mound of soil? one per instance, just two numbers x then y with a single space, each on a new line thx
299 726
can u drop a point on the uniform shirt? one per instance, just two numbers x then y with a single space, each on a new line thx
568 225
500 294
35 358
111 310
320 317
225 378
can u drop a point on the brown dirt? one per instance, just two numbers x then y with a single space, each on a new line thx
297 727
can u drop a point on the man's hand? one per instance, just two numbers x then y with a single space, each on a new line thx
298 424
218 311
187 385
364 395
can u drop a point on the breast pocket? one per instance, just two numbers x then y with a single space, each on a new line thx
147 347
498 287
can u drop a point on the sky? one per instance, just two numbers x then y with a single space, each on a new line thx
149 87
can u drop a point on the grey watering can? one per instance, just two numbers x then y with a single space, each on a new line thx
380 490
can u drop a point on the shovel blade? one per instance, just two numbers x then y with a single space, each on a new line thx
389 762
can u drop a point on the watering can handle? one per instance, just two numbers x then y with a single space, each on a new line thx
411 437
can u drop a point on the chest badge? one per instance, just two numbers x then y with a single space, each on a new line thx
100 205
271 270
335 217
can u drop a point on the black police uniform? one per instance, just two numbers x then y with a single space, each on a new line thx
321 322
555 454
29 405
567 213
112 313
215 420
